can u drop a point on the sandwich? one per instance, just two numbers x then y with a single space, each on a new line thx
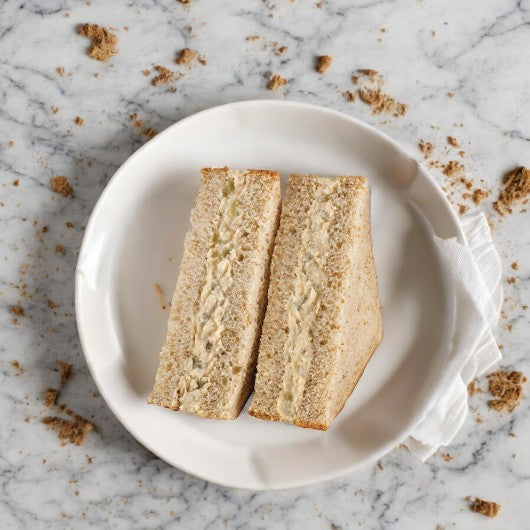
324 317
208 362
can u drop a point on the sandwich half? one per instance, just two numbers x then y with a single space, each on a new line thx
324 317
207 365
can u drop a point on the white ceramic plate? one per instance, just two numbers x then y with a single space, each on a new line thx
134 240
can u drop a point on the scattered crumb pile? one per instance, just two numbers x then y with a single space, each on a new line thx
61 185
487 508
18 367
473 388
276 82
453 168
516 189
186 56
508 388
323 63
104 44
371 92
73 430
164 77
426 148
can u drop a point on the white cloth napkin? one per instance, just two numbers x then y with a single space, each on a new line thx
476 270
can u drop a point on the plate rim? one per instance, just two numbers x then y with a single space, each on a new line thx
87 235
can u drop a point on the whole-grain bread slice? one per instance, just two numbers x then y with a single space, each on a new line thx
324 317
207 365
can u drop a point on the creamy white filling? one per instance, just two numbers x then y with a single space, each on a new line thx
304 303
207 343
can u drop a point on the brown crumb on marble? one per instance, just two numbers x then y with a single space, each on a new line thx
150 132
61 185
487 508
380 465
10 144
323 63
447 457
281 50
516 266
70 431
276 82
473 388
59 249
426 148
371 92
146 72
66 372
16 183
480 195
18 367
17 310
104 43
479 418
511 280
186 56
164 77
69 224
89 459
79 121
50 397
52 304
253 38
160 293
60 70
451 140
203 60
319 5
55 109
516 189
463 208
507 387
450 95
185 2
453 168
349 95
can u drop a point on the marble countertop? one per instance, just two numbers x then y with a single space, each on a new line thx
424 49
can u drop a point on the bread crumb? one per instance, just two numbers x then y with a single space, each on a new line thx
507 386
50 398
323 63
511 280
426 148
150 132
453 141
473 388
60 185
276 82
69 224
104 43
55 109
319 5
70 431
17 310
185 2
447 457
79 121
372 94
487 508
516 266
253 38
52 304
480 196
66 372
450 95
463 208
16 183
203 60
380 465
516 189
10 144
186 56
60 70
453 168
479 418
18 367
350 96
146 72
164 77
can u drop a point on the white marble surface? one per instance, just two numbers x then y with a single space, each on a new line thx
479 52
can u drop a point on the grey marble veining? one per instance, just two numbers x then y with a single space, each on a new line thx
479 52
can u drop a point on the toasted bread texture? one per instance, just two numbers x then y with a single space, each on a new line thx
207 364
324 317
